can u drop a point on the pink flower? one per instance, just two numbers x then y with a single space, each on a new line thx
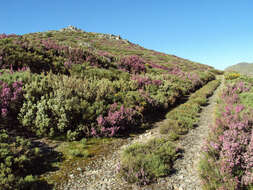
4 112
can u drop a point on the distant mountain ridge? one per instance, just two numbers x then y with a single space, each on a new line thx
243 68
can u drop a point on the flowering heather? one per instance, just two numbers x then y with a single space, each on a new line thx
132 64
2 36
177 71
116 121
105 54
194 78
142 81
9 94
153 65
231 147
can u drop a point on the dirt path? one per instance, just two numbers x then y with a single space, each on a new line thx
186 175
101 174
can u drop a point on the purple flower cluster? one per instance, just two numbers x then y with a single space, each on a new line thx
132 64
2 36
146 95
177 71
153 65
194 78
116 121
73 55
142 81
8 95
105 54
50 44
233 142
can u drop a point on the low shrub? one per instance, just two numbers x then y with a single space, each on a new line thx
132 64
142 163
17 160
227 162
231 76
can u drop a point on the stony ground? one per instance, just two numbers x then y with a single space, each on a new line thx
101 174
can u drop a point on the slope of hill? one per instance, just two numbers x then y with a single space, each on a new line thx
243 68
72 84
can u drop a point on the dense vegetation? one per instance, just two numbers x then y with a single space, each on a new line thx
78 84
228 159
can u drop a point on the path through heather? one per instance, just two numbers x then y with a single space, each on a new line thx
101 174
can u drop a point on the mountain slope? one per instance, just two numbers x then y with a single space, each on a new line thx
72 84
243 68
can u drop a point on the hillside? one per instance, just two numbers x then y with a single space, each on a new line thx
243 68
73 88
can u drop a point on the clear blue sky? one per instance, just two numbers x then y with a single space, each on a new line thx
214 32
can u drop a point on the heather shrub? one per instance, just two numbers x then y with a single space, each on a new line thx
11 97
227 161
118 120
132 64
44 55
142 163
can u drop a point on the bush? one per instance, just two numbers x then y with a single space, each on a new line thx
17 157
142 163
11 96
132 64
231 76
227 161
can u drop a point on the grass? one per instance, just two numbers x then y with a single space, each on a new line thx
185 116
77 154
142 163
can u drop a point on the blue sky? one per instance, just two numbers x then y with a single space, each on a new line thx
214 32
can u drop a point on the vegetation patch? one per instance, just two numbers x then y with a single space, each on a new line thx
185 116
143 163
227 160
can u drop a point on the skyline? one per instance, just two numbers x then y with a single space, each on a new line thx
210 32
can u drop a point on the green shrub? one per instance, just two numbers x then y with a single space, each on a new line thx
17 160
142 163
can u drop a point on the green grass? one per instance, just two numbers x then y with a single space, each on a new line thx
142 163
185 116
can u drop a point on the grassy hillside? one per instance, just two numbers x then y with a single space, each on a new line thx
243 68
72 84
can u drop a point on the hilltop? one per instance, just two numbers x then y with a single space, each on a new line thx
243 68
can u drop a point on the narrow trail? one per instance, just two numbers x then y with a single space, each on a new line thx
186 176
101 175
